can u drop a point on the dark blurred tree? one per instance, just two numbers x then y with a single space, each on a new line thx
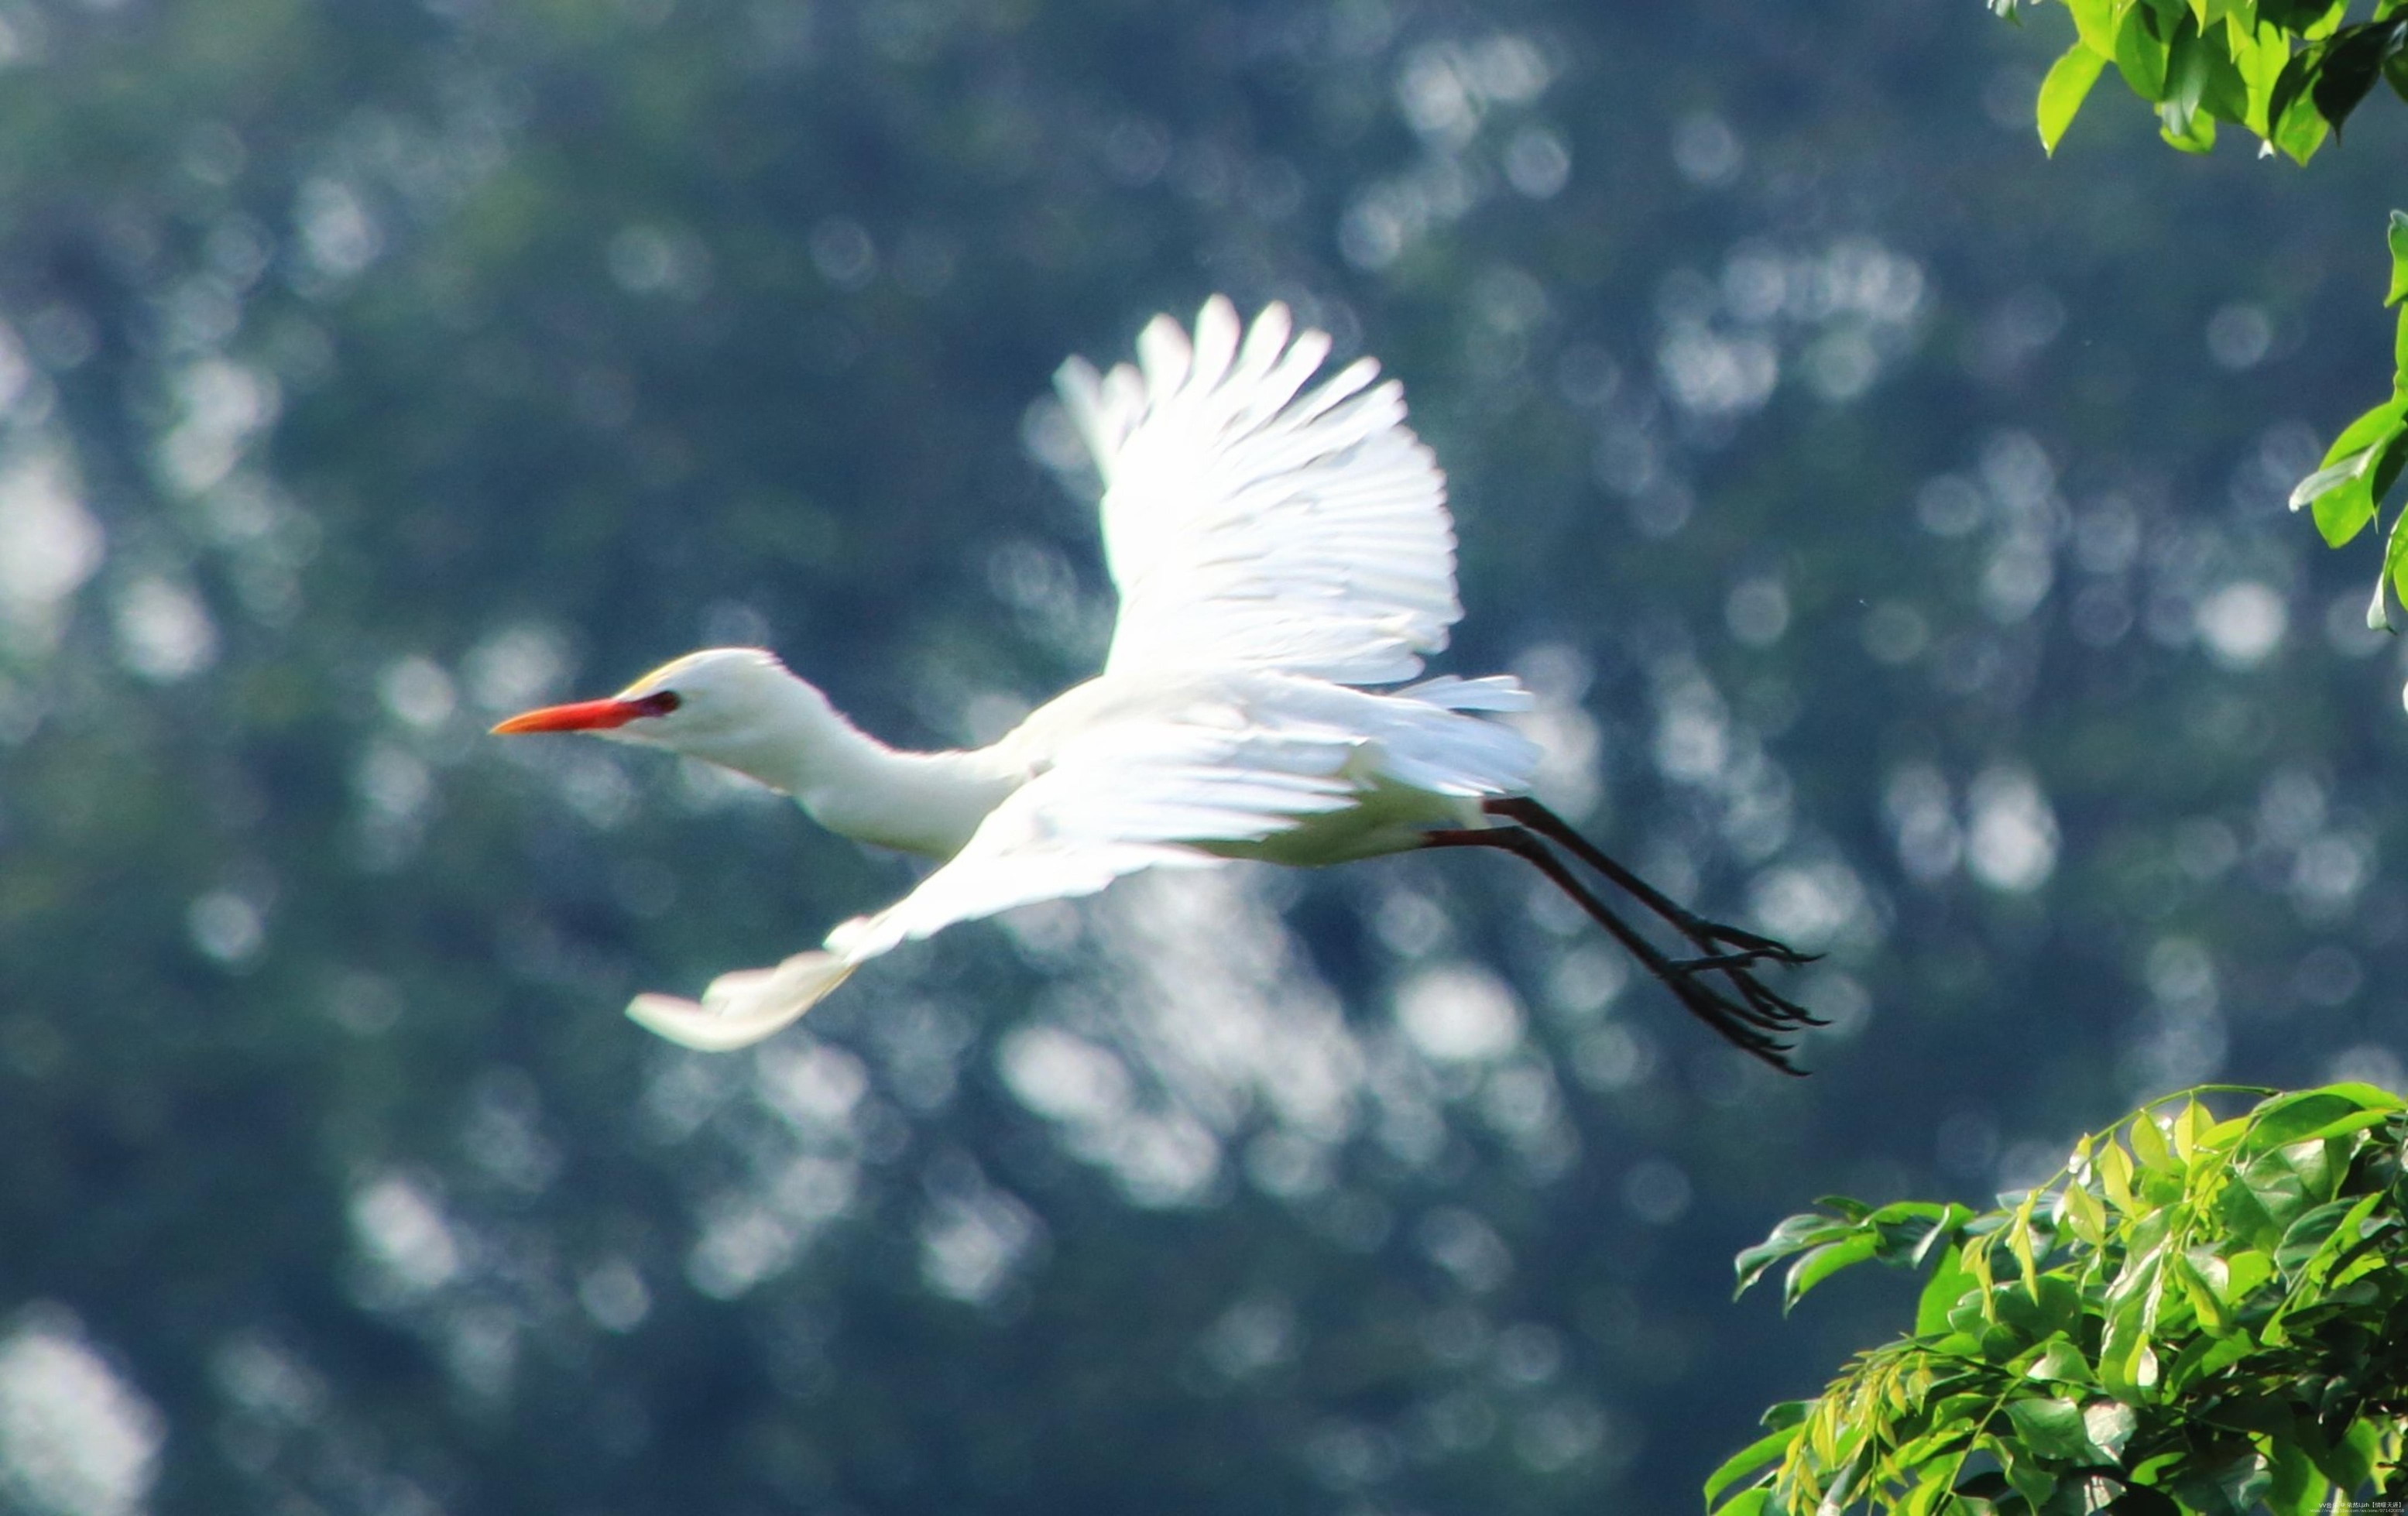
1897 577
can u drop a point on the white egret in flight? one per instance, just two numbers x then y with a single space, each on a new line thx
1284 558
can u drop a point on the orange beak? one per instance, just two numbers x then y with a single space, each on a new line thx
581 716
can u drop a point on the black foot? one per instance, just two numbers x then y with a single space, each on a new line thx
1721 989
1718 986
1746 957
1755 948
1755 1020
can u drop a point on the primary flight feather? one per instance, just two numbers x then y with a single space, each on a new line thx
1284 559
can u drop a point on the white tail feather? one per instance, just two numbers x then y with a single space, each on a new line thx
741 1009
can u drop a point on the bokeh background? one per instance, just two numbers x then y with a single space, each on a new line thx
1891 518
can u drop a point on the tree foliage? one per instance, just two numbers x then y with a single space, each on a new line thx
2192 1315
2346 491
2291 71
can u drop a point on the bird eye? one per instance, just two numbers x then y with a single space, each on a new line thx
661 702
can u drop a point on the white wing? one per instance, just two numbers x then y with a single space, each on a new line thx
1119 797
1247 527
1118 800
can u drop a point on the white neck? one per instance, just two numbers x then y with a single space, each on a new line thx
854 784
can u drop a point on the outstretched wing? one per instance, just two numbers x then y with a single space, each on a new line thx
1120 797
1248 524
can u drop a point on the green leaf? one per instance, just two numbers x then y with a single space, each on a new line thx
1986 1486
1941 1294
2030 1479
2398 238
2063 91
2201 1288
2186 84
2149 1144
1930 1494
1944 1232
1763 1452
2248 1210
2127 1364
2061 1362
2231 1487
2295 15
2198 134
2388 456
2108 1425
2294 124
2244 1271
1907 1230
2084 1215
2313 1162
2050 1308
2305 1238
2259 58
1821 1263
2341 491
1794 1235
2223 94
2394 573
2053 1429
2365 431
2315 1113
2291 85
2093 21
2359 1453
2342 497
2116 1174
2140 53
2204 1357
2316 1240
2298 1488
2352 64
2019 1243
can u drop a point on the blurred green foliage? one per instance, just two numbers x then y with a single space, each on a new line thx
2192 1315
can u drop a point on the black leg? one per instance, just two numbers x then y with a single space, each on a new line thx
1705 933
1747 1023
1776 1010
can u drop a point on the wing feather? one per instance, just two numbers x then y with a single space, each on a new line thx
1252 523
1118 798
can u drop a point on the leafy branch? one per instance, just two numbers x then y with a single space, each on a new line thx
2291 71
2192 1315
2347 490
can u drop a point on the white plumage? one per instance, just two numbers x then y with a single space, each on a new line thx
1248 528
1276 550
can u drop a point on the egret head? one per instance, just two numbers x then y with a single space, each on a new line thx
715 704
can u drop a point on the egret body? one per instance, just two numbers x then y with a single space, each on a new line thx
1284 559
